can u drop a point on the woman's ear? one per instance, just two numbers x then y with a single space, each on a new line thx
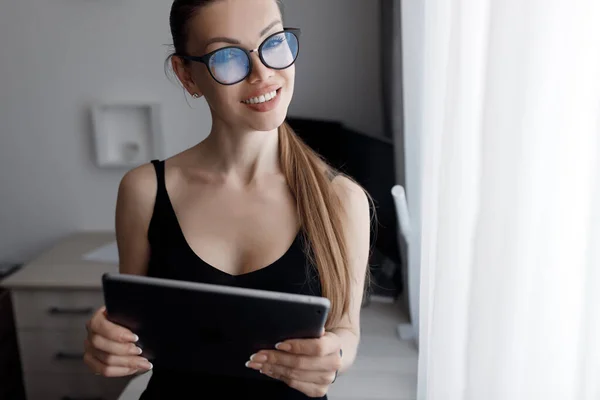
184 74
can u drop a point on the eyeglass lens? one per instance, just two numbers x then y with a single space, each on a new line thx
232 64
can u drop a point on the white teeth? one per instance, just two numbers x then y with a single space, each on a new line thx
262 99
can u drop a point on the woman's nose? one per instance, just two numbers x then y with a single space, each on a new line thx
260 72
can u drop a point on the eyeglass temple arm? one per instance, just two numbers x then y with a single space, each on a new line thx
191 58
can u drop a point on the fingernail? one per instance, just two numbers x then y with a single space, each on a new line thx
136 350
283 346
128 338
256 365
146 365
258 358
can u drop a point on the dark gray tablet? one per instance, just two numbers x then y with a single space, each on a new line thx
198 327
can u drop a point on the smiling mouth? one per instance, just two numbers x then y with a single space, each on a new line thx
265 98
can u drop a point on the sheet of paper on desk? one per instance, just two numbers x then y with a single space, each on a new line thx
105 254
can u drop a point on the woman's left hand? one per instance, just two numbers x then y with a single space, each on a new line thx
307 365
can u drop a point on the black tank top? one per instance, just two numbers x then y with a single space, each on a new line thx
172 258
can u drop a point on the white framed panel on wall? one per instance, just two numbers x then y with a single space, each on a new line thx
126 134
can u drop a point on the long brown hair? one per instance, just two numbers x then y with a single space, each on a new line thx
319 209
320 212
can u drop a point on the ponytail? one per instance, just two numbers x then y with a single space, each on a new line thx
320 213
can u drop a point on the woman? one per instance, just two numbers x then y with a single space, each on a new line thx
226 210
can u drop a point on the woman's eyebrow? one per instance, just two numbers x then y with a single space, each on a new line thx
268 28
221 40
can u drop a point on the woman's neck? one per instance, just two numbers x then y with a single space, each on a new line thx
242 156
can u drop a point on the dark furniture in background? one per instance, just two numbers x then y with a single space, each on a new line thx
11 376
370 161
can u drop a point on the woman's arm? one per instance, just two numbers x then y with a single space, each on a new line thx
135 204
110 349
356 223
312 365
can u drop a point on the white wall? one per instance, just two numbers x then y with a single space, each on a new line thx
58 56
339 65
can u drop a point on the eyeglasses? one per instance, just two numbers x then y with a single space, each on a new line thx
232 64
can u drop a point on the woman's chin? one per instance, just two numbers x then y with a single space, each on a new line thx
266 123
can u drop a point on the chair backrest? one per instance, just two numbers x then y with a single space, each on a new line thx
409 275
401 205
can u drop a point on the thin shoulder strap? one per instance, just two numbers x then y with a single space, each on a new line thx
159 167
159 216
161 187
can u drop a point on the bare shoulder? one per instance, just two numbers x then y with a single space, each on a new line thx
352 196
135 205
136 198
356 227
139 183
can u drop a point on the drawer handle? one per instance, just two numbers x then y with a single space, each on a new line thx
81 398
70 311
63 356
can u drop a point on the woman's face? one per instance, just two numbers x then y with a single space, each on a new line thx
246 24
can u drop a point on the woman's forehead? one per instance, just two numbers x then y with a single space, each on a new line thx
246 21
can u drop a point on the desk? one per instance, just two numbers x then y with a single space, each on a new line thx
53 296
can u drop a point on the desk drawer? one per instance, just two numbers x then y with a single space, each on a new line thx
53 351
73 387
55 309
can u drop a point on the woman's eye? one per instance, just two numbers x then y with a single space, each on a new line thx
275 42
225 56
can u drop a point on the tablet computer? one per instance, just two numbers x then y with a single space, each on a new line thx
215 329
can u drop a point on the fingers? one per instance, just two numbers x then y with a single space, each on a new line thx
131 362
109 348
112 347
287 374
327 344
313 382
331 362
100 325
105 370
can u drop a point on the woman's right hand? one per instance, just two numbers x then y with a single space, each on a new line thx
110 349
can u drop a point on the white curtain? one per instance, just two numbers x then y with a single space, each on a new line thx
510 257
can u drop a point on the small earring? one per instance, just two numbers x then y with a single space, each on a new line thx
196 96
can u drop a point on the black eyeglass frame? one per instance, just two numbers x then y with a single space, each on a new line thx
205 59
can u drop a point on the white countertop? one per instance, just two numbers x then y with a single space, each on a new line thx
63 266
